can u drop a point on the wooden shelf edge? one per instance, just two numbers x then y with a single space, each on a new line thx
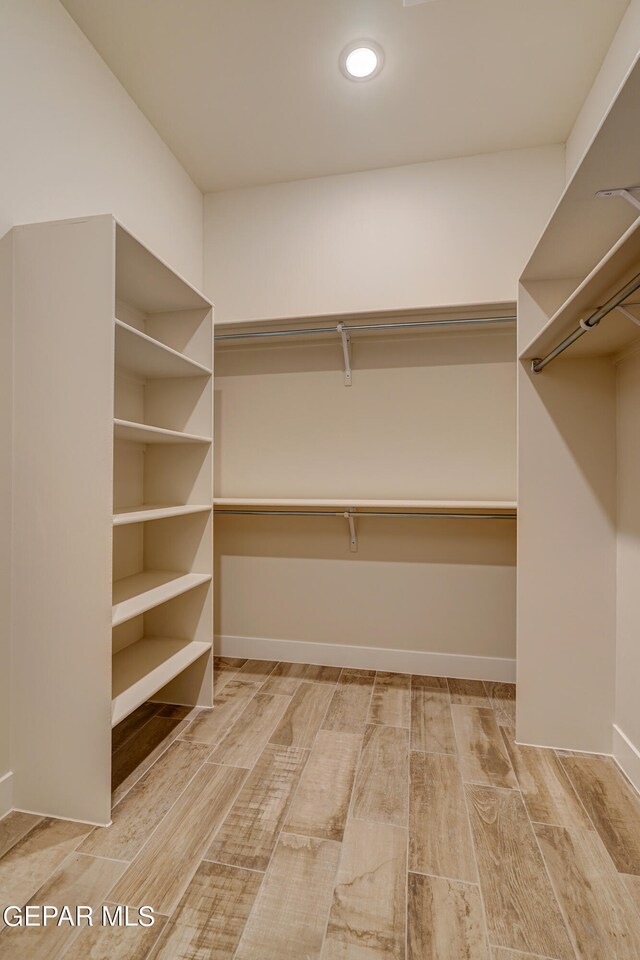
146 666
146 513
144 433
156 588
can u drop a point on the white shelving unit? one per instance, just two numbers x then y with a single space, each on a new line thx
114 594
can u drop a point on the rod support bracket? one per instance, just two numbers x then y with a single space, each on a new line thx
346 352
534 365
349 515
627 313
624 192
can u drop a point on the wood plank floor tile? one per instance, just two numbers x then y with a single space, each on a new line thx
470 692
161 872
176 711
32 860
211 916
104 942
80 880
420 682
546 789
320 674
499 953
520 906
250 733
250 831
612 805
139 813
211 726
599 914
439 837
140 752
132 724
368 914
302 718
445 920
503 701
256 671
224 670
633 888
289 916
380 793
284 679
350 704
431 721
321 803
14 827
391 700
483 755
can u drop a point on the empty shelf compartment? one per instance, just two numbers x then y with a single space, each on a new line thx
135 595
144 667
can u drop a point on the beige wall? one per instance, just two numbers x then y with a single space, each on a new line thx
428 417
6 371
619 59
74 143
627 715
429 234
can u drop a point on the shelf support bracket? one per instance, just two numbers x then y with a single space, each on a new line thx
624 192
353 540
627 313
346 343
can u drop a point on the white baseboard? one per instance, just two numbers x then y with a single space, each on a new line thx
369 658
627 756
6 794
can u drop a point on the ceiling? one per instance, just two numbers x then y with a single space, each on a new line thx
249 92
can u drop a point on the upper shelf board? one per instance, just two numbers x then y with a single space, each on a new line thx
141 355
146 512
142 433
391 505
614 332
584 227
146 282
135 595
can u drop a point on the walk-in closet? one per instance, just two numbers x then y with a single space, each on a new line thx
319 473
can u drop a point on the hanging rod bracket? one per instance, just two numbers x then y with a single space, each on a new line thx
627 313
353 539
624 192
346 352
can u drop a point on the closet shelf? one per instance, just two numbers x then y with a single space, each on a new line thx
143 668
144 591
615 331
141 514
141 355
142 433
449 505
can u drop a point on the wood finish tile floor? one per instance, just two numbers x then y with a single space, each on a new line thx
326 814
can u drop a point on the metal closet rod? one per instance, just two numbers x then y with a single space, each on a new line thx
355 514
349 327
538 365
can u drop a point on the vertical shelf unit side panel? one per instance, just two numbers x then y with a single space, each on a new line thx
63 449
566 554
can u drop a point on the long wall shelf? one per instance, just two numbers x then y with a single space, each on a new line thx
399 505
147 512
141 355
143 668
135 595
143 433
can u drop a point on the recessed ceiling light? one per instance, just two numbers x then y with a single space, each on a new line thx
361 60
